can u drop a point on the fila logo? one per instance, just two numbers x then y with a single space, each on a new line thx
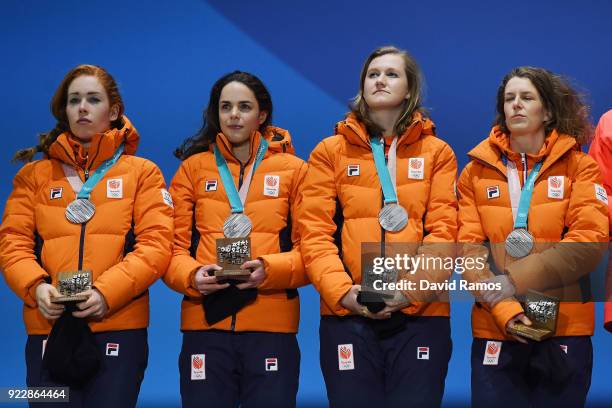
492 192
198 367
56 192
601 194
271 364
211 185
422 353
271 185
346 359
112 349
352 170
555 187
416 168
492 351
114 188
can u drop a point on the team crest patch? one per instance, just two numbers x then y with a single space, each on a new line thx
271 185
492 351
352 170
346 359
601 194
114 188
492 192
555 187
271 364
422 353
56 192
416 168
198 367
211 185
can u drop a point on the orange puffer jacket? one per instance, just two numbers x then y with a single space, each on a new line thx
201 202
601 151
342 197
577 214
127 244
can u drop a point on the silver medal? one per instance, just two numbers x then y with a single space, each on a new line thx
237 226
393 217
519 243
80 211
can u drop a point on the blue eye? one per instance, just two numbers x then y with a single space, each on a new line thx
73 101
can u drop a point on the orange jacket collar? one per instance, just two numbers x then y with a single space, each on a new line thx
279 142
102 147
355 131
490 150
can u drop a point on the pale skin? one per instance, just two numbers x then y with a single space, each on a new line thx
385 90
526 117
239 118
89 112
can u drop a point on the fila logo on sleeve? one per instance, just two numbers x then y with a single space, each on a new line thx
492 351
211 185
346 360
112 349
56 192
422 353
352 170
198 367
492 192
272 364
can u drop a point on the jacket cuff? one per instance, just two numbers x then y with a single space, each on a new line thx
504 311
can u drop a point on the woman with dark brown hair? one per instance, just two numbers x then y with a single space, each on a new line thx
86 230
383 184
536 199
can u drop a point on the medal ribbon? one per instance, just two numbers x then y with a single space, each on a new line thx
237 199
520 206
386 174
83 190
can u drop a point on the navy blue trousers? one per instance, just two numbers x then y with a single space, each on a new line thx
513 381
117 384
225 369
407 369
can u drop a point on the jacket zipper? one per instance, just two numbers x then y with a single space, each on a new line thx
82 238
240 179
524 163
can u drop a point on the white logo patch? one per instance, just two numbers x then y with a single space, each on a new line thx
601 194
271 364
56 192
114 188
211 185
346 360
416 168
492 192
563 347
492 351
422 353
352 170
112 349
167 198
271 185
555 187
198 367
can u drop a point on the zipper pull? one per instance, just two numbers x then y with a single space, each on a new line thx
524 162
86 171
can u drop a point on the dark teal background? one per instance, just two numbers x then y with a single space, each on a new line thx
166 55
